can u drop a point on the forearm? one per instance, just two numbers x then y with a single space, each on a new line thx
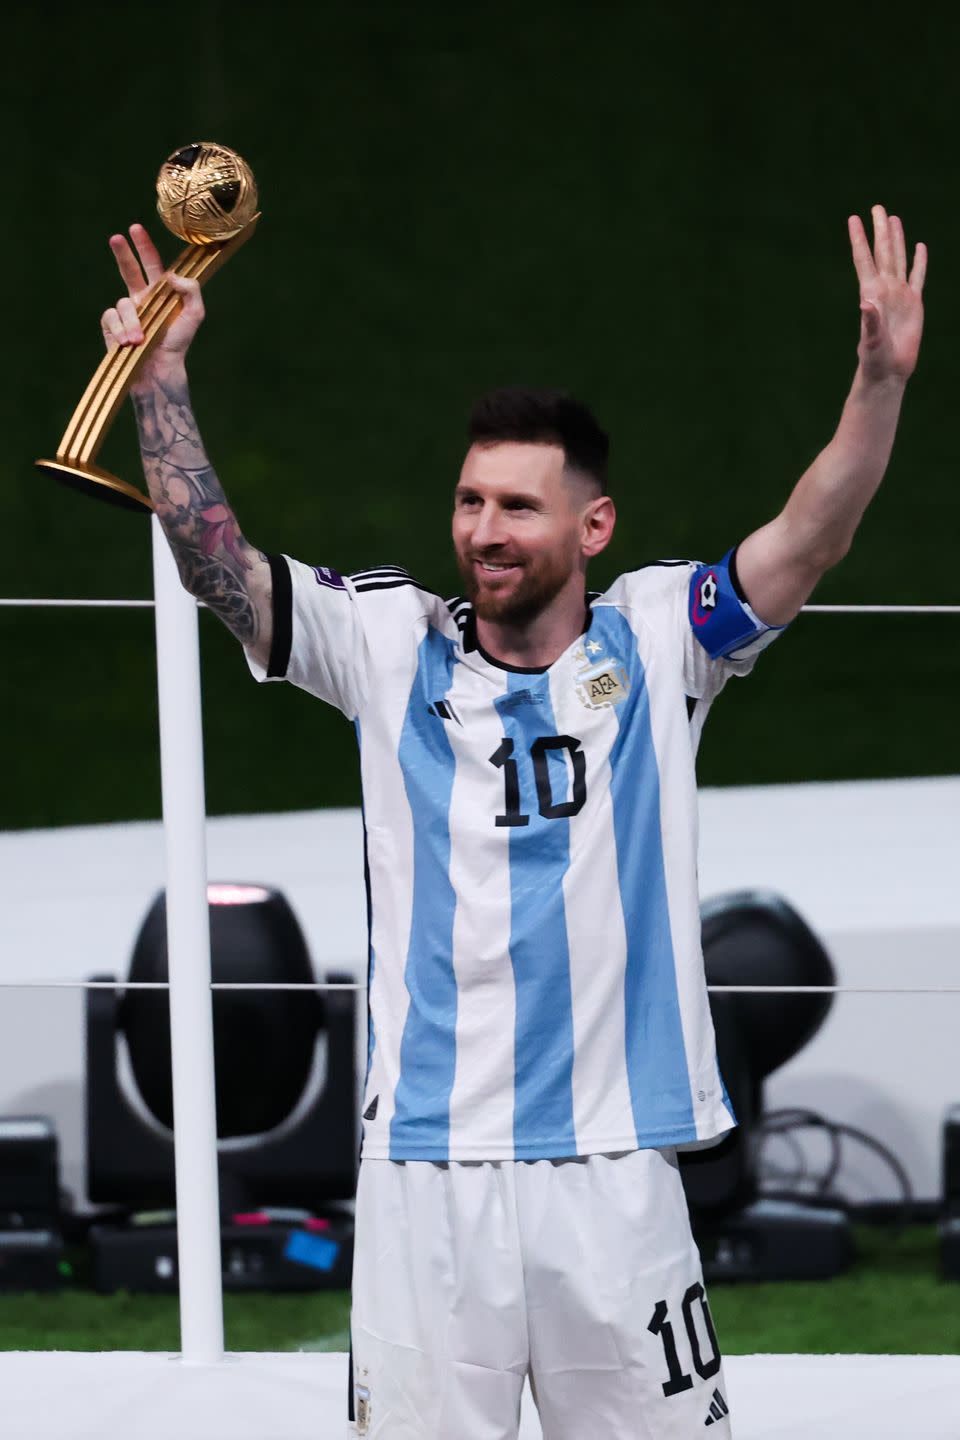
216 563
828 501
780 564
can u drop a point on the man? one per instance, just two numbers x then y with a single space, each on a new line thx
540 1039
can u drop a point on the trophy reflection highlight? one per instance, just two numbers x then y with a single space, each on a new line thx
206 194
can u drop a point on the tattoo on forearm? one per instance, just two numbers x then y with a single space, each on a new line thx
211 554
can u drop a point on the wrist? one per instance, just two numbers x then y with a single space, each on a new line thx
160 369
868 386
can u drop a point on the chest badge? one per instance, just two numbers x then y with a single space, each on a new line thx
600 680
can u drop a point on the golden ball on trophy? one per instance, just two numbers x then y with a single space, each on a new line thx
206 193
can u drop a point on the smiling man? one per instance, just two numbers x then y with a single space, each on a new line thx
540 1039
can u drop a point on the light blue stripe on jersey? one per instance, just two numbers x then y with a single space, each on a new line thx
656 1054
539 858
420 1127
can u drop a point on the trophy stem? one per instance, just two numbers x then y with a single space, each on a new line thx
120 366
83 437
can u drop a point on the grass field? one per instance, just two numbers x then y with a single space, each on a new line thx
891 1301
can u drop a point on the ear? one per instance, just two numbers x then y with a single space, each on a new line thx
597 522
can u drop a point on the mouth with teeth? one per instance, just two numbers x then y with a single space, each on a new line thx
509 590
496 567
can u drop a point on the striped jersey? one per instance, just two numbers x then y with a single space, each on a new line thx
536 985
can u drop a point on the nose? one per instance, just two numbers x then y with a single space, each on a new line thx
488 527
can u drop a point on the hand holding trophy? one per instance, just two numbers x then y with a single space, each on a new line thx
206 195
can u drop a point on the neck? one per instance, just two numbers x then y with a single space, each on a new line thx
536 643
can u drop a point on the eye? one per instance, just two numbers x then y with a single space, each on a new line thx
518 505
465 500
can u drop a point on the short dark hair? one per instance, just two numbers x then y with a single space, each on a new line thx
518 412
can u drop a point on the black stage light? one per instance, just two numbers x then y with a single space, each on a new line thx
287 1123
754 937
264 1041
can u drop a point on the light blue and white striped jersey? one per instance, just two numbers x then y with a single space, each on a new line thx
536 984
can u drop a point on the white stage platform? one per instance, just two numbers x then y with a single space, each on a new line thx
129 1396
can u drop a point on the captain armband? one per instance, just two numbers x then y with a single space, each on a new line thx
720 615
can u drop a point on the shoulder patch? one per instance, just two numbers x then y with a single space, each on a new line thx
324 575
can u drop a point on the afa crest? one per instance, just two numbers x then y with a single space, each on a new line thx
601 681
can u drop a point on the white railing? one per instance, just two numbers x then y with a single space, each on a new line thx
188 949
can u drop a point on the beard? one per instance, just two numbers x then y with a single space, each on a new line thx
537 587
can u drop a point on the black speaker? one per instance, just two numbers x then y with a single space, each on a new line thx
29 1175
31 1244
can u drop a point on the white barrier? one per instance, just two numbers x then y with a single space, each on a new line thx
117 1396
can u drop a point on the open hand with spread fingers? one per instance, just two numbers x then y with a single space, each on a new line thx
891 303
140 269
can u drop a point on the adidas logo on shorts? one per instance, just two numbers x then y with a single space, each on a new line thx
718 1408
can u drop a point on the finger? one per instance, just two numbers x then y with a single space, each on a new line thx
189 290
919 272
153 266
130 320
899 243
860 246
111 327
882 243
127 263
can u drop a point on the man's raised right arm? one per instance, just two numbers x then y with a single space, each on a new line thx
216 563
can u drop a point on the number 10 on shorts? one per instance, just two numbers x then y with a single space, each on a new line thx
678 1379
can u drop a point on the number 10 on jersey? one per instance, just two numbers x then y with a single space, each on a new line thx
549 808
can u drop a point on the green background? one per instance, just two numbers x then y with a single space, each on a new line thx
891 1301
643 203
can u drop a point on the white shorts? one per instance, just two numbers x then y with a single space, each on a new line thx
582 1274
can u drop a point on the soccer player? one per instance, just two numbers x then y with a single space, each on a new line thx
540 1041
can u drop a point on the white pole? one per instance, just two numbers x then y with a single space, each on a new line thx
188 941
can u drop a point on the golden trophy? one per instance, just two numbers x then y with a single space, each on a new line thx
206 194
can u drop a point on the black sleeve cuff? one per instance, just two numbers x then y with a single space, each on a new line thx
735 578
282 618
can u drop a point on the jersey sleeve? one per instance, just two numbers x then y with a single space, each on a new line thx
318 640
722 635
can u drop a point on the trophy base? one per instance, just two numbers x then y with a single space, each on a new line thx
91 480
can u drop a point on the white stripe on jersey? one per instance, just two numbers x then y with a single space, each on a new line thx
389 827
482 1100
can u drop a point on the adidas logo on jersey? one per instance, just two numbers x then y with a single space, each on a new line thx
444 711
718 1408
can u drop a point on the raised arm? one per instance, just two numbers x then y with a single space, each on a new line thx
215 561
779 565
